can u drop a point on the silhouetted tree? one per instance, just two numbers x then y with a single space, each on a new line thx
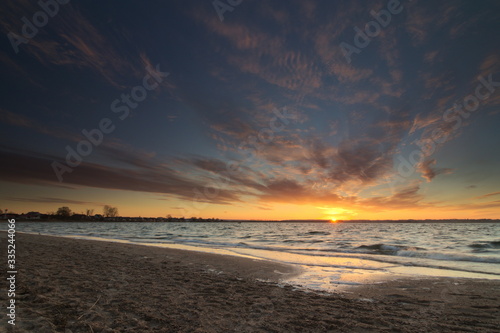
64 211
109 211
90 212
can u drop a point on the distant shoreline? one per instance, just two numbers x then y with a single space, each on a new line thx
153 220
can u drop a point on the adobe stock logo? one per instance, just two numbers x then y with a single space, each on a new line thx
95 137
372 29
29 30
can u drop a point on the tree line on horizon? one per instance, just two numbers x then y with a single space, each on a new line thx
108 213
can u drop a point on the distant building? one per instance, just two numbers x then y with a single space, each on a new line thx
33 216
9 216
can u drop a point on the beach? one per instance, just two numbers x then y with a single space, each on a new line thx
74 285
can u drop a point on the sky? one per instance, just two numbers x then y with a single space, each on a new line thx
240 109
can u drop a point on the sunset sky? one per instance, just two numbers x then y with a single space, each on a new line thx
260 110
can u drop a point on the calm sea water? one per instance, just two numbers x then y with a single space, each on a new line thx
331 255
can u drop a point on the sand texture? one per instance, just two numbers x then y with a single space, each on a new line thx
70 285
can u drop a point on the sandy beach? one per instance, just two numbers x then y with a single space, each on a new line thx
71 285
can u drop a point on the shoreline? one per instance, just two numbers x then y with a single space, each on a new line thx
155 220
246 266
357 276
79 285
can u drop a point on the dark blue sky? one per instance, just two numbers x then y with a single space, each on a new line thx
283 109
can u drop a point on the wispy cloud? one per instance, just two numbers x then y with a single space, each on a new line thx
406 198
73 40
35 169
49 200
27 122
487 195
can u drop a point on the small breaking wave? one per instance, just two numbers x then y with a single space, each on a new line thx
387 249
419 252
485 245
312 233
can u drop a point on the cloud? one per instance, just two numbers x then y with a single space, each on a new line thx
19 120
49 200
362 163
476 208
290 191
154 179
490 65
237 176
429 172
406 198
422 121
431 56
264 53
422 21
487 195
72 40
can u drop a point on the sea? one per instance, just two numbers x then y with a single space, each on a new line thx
331 255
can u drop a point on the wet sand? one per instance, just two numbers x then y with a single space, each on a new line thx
71 285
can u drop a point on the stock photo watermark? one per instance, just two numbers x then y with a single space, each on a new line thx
454 115
221 7
363 38
250 147
11 271
95 137
40 19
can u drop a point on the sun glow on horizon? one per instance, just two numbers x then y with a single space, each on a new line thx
335 214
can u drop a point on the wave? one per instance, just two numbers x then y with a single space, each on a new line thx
372 251
388 249
311 233
310 241
166 236
450 257
485 245
419 252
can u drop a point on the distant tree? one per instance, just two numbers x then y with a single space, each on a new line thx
109 211
90 212
64 211
1 211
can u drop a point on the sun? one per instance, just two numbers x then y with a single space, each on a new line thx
333 220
